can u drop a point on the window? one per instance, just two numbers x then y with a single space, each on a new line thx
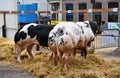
82 6
112 16
97 15
55 7
69 16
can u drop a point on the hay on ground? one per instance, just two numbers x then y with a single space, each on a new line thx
42 67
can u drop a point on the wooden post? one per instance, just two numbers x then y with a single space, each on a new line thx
85 16
4 17
38 17
37 47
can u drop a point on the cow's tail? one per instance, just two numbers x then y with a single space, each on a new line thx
15 48
57 46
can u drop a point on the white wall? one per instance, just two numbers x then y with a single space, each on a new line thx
43 5
11 19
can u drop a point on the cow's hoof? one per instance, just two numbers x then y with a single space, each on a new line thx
19 61
55 67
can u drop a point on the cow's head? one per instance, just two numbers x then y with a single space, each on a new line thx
96 27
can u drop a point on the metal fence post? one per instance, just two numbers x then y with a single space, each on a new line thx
119 40
118 49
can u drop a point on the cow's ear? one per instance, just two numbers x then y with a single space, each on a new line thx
102 22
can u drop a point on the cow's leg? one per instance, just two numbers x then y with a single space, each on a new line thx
74 53
64 59
84 52
89 44
51 56
29 48
19 50
55 57
61 54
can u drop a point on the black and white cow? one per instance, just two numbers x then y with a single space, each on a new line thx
65 37
29 35
88 35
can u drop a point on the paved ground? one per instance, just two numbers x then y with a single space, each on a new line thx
109 53
10 71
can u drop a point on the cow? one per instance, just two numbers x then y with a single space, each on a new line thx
79 36
29 35
88 35
63 39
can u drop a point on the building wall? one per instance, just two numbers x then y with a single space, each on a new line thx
11 19
43 5
119 14
89 17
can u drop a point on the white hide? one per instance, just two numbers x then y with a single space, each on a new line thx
78 35
88 34
71 28
31 40
25 28
65 43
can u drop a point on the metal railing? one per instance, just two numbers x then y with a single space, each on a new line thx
109 38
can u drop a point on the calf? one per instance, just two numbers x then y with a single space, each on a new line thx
29 35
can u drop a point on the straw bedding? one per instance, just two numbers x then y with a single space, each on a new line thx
42 67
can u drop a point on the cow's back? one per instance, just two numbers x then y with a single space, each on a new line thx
42 34
23 32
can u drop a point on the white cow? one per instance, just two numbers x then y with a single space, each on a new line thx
87 36
64 39
77 35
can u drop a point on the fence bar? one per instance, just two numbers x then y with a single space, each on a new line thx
110 35
59 11
37 47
